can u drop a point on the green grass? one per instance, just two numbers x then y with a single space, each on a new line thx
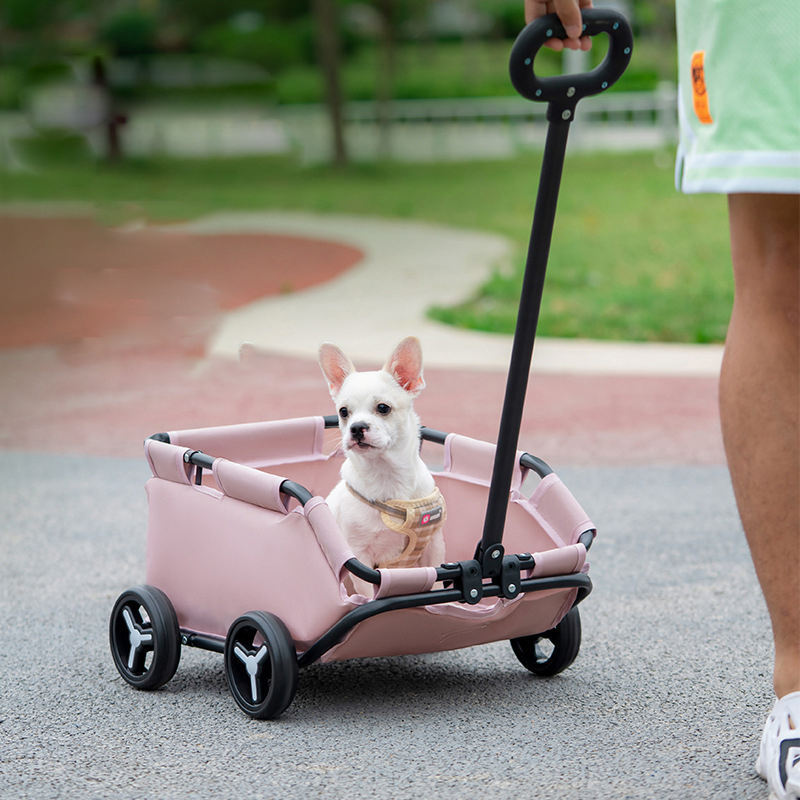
631 258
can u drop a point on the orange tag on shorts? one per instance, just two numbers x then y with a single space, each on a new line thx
699 93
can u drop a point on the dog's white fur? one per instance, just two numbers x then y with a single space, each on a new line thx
382 451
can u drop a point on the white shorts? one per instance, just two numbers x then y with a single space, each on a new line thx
739 96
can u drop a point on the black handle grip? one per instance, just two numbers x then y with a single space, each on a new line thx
566 90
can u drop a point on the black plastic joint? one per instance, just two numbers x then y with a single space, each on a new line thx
471 582
510 577
563 112
492 561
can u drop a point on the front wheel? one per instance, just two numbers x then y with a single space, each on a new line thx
144 637
551 652
261 665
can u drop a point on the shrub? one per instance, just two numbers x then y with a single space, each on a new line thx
130 33
271 46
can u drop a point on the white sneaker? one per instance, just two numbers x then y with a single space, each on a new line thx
778 760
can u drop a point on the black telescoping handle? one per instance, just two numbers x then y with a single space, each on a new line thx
562 93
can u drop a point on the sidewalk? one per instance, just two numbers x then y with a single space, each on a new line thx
407 267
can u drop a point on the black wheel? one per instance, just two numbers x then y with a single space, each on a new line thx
144 637
553 651
261 665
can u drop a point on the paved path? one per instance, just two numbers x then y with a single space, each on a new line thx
665 700
407 267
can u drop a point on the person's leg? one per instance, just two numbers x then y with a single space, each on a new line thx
760 406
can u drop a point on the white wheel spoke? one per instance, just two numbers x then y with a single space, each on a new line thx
252 663
254 687
137 637
128 617
131 657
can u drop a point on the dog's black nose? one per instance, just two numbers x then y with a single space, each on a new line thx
357 430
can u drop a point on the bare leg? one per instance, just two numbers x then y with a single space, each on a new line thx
760 406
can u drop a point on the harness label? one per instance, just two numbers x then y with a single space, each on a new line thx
434 515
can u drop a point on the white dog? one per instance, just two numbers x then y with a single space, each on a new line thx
387 504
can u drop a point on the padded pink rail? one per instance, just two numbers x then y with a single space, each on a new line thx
235 544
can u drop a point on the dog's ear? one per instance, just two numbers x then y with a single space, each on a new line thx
336 366
405 365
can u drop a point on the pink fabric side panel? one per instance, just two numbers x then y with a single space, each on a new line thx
166 461
561 561
217 557
258 444
473 460
251 485
557 505
405 581
330 538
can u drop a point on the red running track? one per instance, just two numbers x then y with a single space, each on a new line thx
103 334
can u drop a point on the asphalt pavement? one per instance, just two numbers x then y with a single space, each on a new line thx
666 698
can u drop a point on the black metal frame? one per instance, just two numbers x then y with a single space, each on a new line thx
465 581
492 573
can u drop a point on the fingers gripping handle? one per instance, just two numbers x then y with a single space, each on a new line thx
564 91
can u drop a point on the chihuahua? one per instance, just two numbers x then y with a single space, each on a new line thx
386 504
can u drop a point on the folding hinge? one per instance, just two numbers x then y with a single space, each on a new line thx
471 581
510 577
491 560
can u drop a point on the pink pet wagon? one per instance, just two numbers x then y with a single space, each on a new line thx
229 535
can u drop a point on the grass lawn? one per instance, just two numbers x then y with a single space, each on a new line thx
631 258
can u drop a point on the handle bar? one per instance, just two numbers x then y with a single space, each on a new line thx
566 90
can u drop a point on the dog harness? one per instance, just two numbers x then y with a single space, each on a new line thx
417 519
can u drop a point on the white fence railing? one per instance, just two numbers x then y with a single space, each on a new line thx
420 130
647 108
433 130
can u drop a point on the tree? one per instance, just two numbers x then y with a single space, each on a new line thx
326 20
386 69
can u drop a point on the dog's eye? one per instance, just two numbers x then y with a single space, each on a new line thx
343 412
383 408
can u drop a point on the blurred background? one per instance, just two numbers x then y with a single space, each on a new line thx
199 78
119 119
168 109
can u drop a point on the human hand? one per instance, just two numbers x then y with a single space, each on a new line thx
569 12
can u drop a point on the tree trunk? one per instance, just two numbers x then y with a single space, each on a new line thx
326 20
112 120
385 78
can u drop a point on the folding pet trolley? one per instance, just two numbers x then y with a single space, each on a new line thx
252 565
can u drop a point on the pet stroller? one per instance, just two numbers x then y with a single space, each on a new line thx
227 533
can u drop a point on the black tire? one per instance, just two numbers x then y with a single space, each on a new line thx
144 637
261 665
551 652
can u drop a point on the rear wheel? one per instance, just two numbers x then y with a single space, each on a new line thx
261 665
553 651
144 637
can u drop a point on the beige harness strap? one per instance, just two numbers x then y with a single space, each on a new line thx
417 519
